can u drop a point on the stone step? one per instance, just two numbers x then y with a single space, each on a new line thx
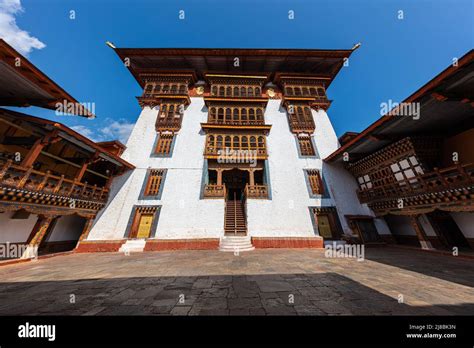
236 243
133 246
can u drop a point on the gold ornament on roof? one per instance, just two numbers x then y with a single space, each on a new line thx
271 92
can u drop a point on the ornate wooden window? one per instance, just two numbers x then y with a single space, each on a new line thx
163 145
231 90
304 91
306 146
315 182
155 177
216 142
236 115
165 88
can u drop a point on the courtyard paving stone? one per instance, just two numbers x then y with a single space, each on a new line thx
261 282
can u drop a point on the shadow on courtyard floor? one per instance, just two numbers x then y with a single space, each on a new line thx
450 268
276 294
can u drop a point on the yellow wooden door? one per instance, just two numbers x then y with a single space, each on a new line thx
144 227
324 227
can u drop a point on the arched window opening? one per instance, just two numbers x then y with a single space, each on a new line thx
235 114
228 141
245 142
252 115
244 114
220 114
253 142
236 143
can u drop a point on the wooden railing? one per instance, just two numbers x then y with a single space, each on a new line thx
237 122
18 177
440 182
184 92
256 191
168 123
297 125
214 191
249 152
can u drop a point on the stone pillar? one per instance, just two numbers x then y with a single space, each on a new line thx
36 236
420 232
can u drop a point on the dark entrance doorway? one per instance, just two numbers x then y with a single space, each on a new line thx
235 215
447 230
235 181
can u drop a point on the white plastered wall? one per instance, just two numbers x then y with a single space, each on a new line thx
15 230
465 222
67 228
183 214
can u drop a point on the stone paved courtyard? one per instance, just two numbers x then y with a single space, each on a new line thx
261 282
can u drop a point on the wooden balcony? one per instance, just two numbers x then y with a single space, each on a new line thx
166 123
236 122
301 126
256 191
24 185
451 186
248 153
214 191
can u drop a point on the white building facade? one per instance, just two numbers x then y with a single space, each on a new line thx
230 155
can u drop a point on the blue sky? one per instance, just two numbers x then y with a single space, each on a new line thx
397 56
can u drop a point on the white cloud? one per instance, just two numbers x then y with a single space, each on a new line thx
83 130
11 33
116 130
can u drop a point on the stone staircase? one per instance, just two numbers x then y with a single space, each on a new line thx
236 244
133 246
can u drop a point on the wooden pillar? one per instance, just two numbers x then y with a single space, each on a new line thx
37 235
251 177
82 171
219 176
33 154
420 232
37 147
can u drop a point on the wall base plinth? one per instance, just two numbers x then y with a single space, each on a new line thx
287 242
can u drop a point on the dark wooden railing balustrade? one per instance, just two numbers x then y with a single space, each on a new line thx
27 179
214 191
167 123
445 184
256 191
214 151
237 122
301 126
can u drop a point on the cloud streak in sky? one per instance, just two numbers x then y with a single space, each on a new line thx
20 39
116 130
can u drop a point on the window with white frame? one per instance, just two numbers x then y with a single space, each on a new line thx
406 170
364 182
